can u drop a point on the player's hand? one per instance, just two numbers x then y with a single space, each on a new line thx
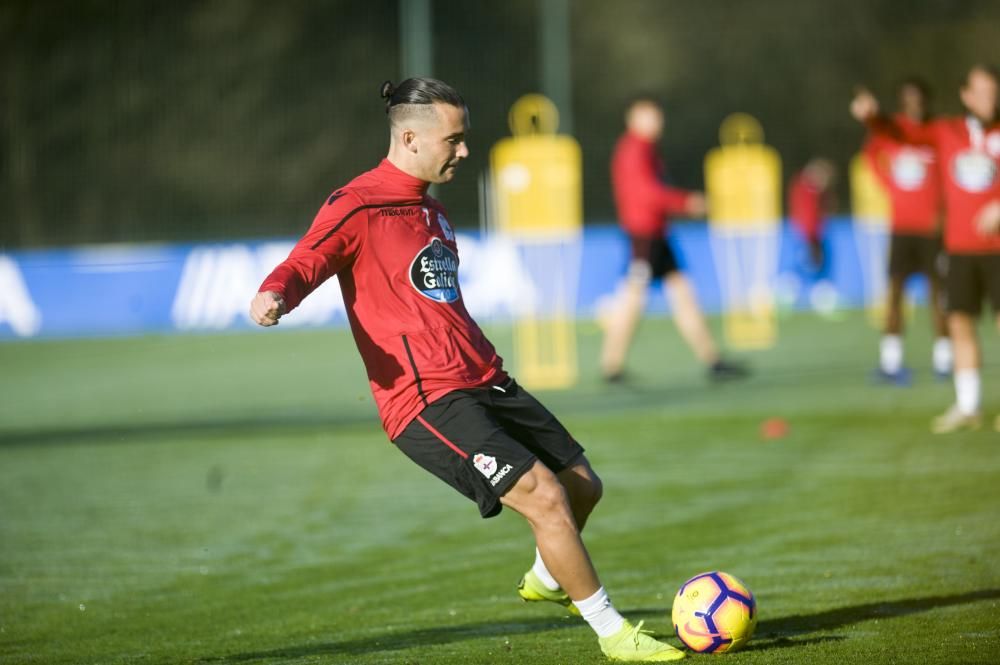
864 106
696 206
266 308
988 219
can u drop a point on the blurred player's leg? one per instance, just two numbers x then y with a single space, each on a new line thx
942 357
967 359
689 319
934 268
964 414
996 422
693 328
891 344
970 279
622 321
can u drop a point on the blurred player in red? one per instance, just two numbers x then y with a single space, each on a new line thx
644 204
440 387
809 202
910 174
968 150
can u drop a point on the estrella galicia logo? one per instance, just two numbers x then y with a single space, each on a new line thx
434 272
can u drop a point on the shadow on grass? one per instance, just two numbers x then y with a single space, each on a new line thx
776 633
248 425
392 641
586 400
222 427
591 397
771 633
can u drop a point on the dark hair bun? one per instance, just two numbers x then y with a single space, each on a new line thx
386 93
419 91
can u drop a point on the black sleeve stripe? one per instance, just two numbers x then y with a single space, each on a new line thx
338 225
416 374
356 210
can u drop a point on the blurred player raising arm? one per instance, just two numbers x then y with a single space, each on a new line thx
910 175
968 149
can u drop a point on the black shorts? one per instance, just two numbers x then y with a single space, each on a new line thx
914 254
481 440
970 279
656 253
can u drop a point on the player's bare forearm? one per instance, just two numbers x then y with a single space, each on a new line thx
865 109
696 205
267 307
988 218
676 201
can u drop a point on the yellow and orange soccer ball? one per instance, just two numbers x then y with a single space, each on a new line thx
714 613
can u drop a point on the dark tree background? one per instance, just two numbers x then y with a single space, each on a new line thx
148 121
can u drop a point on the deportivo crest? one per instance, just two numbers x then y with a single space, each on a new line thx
974 171
434 272
486 464
442 222
909 168
446 227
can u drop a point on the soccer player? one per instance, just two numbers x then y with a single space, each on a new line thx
911 177
809 203
968 150
644 203
442 393
810 200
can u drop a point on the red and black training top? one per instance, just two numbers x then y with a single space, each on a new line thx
968 153
643 200
910 174
806 206
395 255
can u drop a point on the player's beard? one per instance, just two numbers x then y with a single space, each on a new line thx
445 174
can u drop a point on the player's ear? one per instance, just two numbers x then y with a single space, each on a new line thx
409 138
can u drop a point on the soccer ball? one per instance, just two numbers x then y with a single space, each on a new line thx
714 613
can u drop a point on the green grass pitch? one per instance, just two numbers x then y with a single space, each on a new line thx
232 499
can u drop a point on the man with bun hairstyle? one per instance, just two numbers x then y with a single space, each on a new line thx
442 393
968 150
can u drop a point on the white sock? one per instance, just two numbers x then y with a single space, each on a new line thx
600 613
967 390
891 353
942 355
543 574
